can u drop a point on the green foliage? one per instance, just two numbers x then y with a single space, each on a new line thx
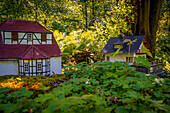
163 37
17 101
97 87
108 80
142 61
79 41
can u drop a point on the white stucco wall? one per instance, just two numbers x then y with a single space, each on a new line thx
122 57
55 65
119 57
8 67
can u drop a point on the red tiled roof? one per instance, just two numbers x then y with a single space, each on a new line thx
22 25
25 51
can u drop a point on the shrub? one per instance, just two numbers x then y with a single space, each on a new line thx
98 87
114 87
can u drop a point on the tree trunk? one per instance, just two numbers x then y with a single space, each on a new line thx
86 14
93 11
148 13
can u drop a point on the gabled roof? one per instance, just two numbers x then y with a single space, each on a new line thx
115 40
22 25
34 53
25 51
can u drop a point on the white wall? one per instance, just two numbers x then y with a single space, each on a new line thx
8 67
55 65
122 57
118 57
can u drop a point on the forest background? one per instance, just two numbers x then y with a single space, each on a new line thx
83 27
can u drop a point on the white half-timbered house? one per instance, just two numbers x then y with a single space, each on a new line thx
28 48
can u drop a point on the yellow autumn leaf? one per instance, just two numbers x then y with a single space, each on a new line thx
134 40
18 79
126 40
147 51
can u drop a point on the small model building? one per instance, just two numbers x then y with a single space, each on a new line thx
121 42
28 48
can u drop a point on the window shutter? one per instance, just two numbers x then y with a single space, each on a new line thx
43 37
14 36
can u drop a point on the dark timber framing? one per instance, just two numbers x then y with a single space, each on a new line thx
24 38
33 66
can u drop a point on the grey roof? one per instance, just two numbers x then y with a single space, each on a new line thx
115 40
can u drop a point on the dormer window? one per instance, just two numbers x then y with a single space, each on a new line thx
118 46
119 43
29 36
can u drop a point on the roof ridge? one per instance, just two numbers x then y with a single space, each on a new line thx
41 52
26 51
34 49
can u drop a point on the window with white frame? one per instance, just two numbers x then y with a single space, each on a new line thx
29 36
34 67
26 67
39 66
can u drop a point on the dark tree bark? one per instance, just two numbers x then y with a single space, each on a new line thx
147 17
93 12
86 14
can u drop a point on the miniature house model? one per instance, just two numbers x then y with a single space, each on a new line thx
119 42
28 48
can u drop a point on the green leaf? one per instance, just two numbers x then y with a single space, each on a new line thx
133 94
51 107
42 87
2 90
157 94
136 87
110 74
142 61
158 104
23 93
43 98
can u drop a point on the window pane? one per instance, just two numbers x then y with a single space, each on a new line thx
39 67
118 46
26 67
